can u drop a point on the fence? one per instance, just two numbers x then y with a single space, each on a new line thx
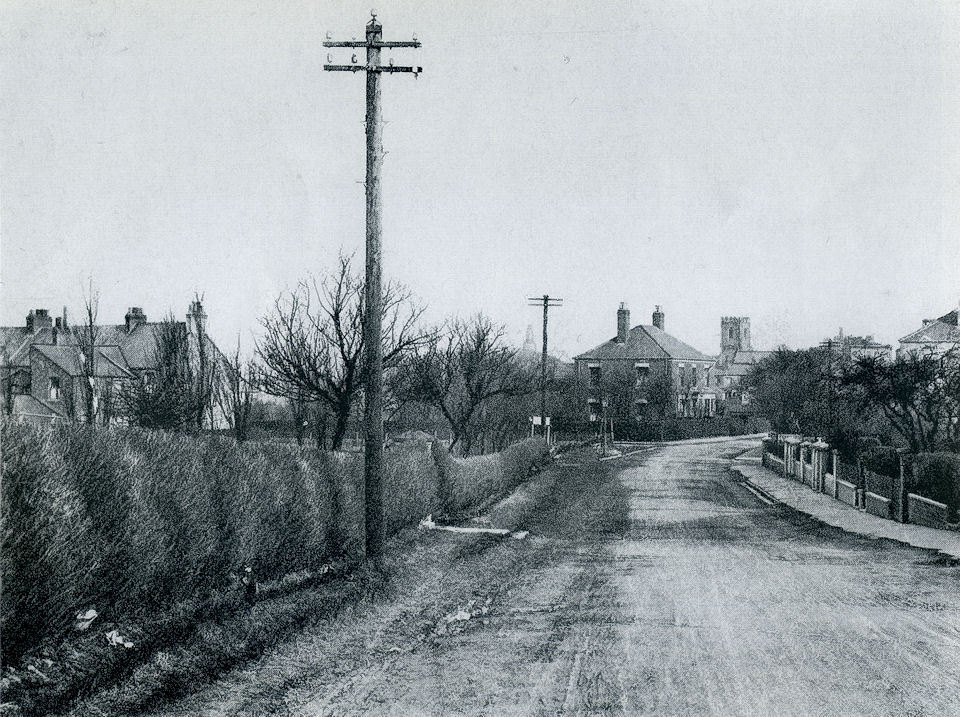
819 466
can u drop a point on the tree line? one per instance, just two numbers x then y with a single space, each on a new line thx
912 400
461 374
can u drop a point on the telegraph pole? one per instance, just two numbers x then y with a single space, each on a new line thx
547 302
373 349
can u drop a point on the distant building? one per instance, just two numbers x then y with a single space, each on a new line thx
737 358
936 336
851 348
639 357
41 363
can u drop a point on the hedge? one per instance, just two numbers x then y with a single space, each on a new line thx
937 476
133 521
881 459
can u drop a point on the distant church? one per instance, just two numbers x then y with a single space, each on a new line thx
737 357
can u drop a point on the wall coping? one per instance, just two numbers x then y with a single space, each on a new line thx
928 501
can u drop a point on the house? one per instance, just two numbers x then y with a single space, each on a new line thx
644 372
737 358
936 336
42 362
848 349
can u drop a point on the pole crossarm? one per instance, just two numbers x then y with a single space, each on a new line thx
377 43
373 68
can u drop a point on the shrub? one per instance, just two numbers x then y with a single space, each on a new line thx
881 459
49 552
937 476
411 484
130 521
466 482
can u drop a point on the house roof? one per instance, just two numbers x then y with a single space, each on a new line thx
644 342
27 405
130 350
935 332
108 360
740 363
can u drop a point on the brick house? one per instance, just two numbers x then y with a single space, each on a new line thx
626 369
41 363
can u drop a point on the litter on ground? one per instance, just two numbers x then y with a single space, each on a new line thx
84 619
428 524
115 638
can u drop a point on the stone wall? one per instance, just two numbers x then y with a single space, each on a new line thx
878 505
924 511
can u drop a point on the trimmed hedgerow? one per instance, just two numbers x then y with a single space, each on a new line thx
470 481
937 476
131 521
883 460
411 484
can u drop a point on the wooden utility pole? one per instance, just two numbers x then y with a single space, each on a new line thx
547 302
373 348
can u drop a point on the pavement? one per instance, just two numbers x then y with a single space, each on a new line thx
658 584
838 514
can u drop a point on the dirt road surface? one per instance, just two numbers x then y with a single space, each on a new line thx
657 584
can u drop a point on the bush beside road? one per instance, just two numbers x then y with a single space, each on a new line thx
152 533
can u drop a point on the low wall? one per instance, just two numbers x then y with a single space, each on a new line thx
773 463
878 505
847 492
829 485
924 511
809 475
879 484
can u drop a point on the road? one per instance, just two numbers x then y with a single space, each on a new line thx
655 584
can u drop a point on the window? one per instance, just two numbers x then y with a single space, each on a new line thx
54 392
643 373
694 376
682 371
594 375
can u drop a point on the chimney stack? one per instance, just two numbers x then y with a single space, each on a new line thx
623 323
134 318
39 319
195 314
658 318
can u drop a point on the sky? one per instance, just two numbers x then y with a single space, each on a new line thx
794 162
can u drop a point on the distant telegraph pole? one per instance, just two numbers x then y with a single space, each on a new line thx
547 302
373 350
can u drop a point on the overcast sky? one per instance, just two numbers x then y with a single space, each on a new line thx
798 163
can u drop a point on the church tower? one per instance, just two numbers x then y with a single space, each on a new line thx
734 334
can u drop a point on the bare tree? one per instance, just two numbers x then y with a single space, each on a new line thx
462 369
235 393
919 394
312 348
168 398
86 336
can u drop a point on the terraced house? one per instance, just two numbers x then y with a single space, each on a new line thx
644 370
42 364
